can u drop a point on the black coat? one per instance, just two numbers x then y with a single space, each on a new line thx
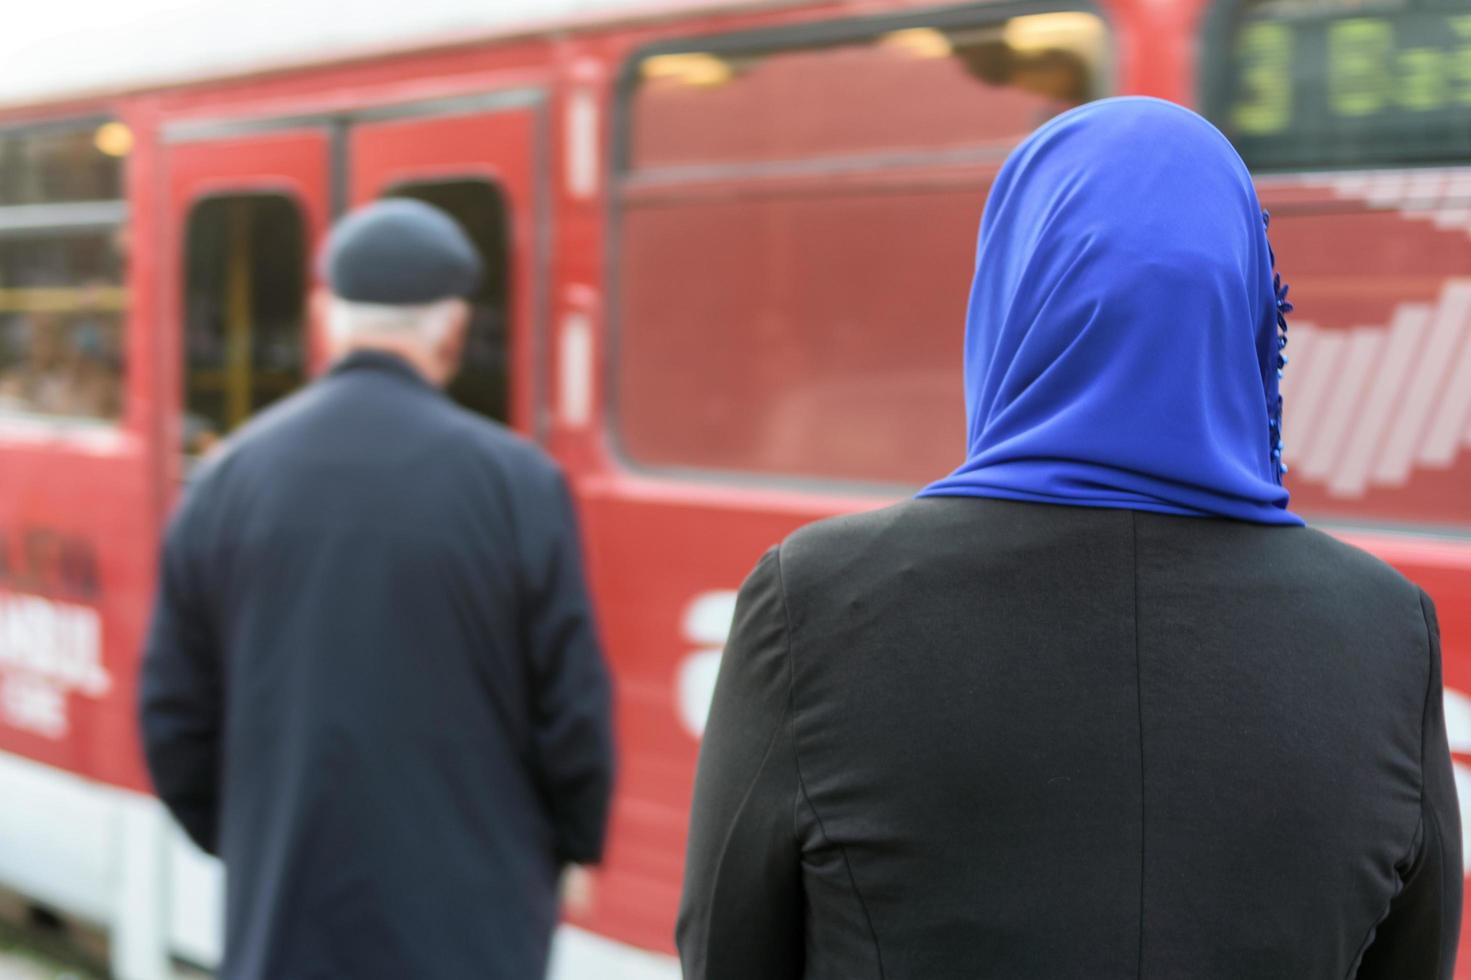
373 687
964 739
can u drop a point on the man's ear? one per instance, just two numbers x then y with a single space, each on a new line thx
452 344
319 307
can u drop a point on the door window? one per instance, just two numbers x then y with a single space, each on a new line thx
483 384
244 301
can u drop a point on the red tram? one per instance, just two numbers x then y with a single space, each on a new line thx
730 246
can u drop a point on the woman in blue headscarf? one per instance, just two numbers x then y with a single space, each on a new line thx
1122 342
1095 705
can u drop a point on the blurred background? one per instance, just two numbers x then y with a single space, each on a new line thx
730 244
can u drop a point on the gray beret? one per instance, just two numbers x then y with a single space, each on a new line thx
399 252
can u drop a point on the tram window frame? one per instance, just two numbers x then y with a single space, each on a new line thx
1215 54
799 37
498 280
64 219
194 448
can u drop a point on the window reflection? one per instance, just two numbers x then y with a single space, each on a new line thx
907 88
796 233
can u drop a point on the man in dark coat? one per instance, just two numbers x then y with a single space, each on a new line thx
372 683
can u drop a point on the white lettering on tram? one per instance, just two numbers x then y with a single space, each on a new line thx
48 651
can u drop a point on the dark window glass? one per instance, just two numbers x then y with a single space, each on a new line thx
483 382
1337 83
796 236
244 296
63 164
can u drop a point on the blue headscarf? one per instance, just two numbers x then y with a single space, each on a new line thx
1122 344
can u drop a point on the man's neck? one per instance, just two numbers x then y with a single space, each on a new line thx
410 353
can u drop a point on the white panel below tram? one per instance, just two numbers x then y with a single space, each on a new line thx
113 858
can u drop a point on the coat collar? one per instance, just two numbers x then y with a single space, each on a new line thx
376 360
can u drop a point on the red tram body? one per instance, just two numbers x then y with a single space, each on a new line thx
732 244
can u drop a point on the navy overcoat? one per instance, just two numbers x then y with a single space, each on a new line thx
373 686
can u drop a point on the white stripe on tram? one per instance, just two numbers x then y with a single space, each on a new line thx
1316 382
1443 440
1351 476
1401 451
1347 399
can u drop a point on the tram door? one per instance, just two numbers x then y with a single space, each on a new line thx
479 166
246 213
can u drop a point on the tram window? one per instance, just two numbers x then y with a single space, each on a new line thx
61 320
906 88
796 231
1338 83
480 208
63 163
62 296
244 298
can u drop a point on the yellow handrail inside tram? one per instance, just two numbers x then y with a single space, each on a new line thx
64 299
238 313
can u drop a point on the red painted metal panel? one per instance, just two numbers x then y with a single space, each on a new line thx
77 543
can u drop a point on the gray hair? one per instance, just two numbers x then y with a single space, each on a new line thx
428 323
